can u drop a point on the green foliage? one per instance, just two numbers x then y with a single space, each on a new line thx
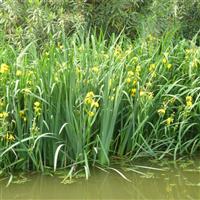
148 16
88 99
41 21
70 99
191 19
25 21
115 15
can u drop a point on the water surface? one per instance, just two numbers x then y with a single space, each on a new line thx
169 180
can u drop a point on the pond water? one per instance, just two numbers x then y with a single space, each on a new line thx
148 181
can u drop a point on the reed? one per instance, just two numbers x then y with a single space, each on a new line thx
86 99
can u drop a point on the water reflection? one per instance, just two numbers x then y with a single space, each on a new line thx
180 181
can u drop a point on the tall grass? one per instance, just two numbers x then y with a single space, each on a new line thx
87 99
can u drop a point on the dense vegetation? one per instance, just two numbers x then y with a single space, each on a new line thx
78 88
41 20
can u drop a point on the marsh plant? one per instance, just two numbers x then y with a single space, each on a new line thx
83 82
85 99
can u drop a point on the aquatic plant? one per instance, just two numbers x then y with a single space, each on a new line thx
85 99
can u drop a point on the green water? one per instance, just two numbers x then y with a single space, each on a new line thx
168 180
